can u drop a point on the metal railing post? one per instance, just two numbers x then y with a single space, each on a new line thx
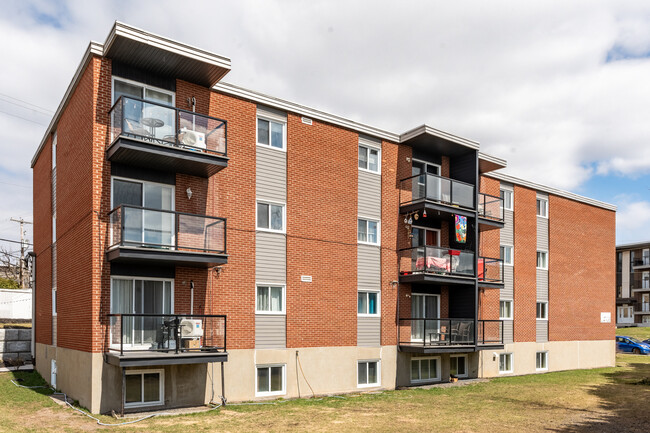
122 225
225 334
121 335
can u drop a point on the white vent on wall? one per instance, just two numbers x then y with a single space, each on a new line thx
306 120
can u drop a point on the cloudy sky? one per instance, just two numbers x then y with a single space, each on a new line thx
559 89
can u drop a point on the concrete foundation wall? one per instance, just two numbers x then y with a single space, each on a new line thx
15 345
404 366
562 355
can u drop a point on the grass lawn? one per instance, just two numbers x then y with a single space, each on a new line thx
607 399
638 332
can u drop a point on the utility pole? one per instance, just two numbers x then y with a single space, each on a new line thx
22 249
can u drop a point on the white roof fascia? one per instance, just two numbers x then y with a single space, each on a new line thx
633 245
302 110
147 38
550 190
94 48
492 159
425 129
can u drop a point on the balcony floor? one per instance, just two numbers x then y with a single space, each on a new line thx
151 358
433 278
452 348
135 255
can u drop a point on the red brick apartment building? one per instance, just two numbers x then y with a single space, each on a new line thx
196 239
633 284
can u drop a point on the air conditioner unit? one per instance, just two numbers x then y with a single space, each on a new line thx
191 328
192 138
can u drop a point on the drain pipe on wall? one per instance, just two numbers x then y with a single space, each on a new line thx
191 297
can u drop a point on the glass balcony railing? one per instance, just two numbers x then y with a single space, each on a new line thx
436 260
430 187
638 280
153 228
490 270
161 124
449 332
490 207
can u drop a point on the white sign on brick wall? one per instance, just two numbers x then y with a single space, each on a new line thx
305 278
605 317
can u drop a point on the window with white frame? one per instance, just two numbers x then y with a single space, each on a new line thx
541 361
367 303
270 299
505 310
542 310
270 380
144 388
542 260
368 231
505 363
506 196
367 373
425 369
369 158
458 365
507 254
542 207
270 216
271 133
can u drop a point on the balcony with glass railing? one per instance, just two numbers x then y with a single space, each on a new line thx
438 190
490 208
153 135
490 271
431 335
427 263
139 234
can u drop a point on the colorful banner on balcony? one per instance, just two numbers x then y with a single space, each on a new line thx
461 229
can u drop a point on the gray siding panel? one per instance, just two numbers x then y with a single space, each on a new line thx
270 257
507 232
542 285
270 331
368 267
542 331
507 331
368 331
271 179
369 195
542 233
508 286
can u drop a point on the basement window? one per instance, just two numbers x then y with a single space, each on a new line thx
270 380
367 373
425 369
505 363
458 366
144 388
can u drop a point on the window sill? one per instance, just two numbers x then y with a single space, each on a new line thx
378 315
541 369
270 313
368 385
280 232
542 320
268 146
506 318
506 372
270 394
378 172
369 243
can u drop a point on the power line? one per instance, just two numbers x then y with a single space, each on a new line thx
15 184
15 242
24 118
46 111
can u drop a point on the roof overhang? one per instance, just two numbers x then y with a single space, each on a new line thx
430 139
166 57
487 163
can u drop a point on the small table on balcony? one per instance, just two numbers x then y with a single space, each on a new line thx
152 123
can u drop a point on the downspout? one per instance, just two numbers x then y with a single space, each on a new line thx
33 277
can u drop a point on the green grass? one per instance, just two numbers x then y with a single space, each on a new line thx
606 399
642 333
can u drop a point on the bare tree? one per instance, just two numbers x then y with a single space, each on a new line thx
10 264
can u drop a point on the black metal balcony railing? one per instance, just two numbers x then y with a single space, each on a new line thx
490 207
436 260
639 280
641 261
449 332
153 228
490 270
431 187
169 333
162 124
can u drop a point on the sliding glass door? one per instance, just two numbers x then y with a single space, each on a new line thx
424 306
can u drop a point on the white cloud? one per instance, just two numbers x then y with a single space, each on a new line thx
529 80
632 221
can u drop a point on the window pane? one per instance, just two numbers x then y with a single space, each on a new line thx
126 89
263 379
362 303
151 387
433 368
262 215
262 299
424 369
276 298
363 374
133 388
362 235
262 131
453 366
372 232
276 378
129 193
363 157
372 303
415 369
372 372
276 217
461 366
373 160
277 133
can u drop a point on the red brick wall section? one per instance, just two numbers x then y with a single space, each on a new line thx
231 195
581 270
42 175
76 307
525 262
321 234
394 167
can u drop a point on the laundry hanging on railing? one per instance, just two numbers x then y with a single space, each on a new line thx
461 229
